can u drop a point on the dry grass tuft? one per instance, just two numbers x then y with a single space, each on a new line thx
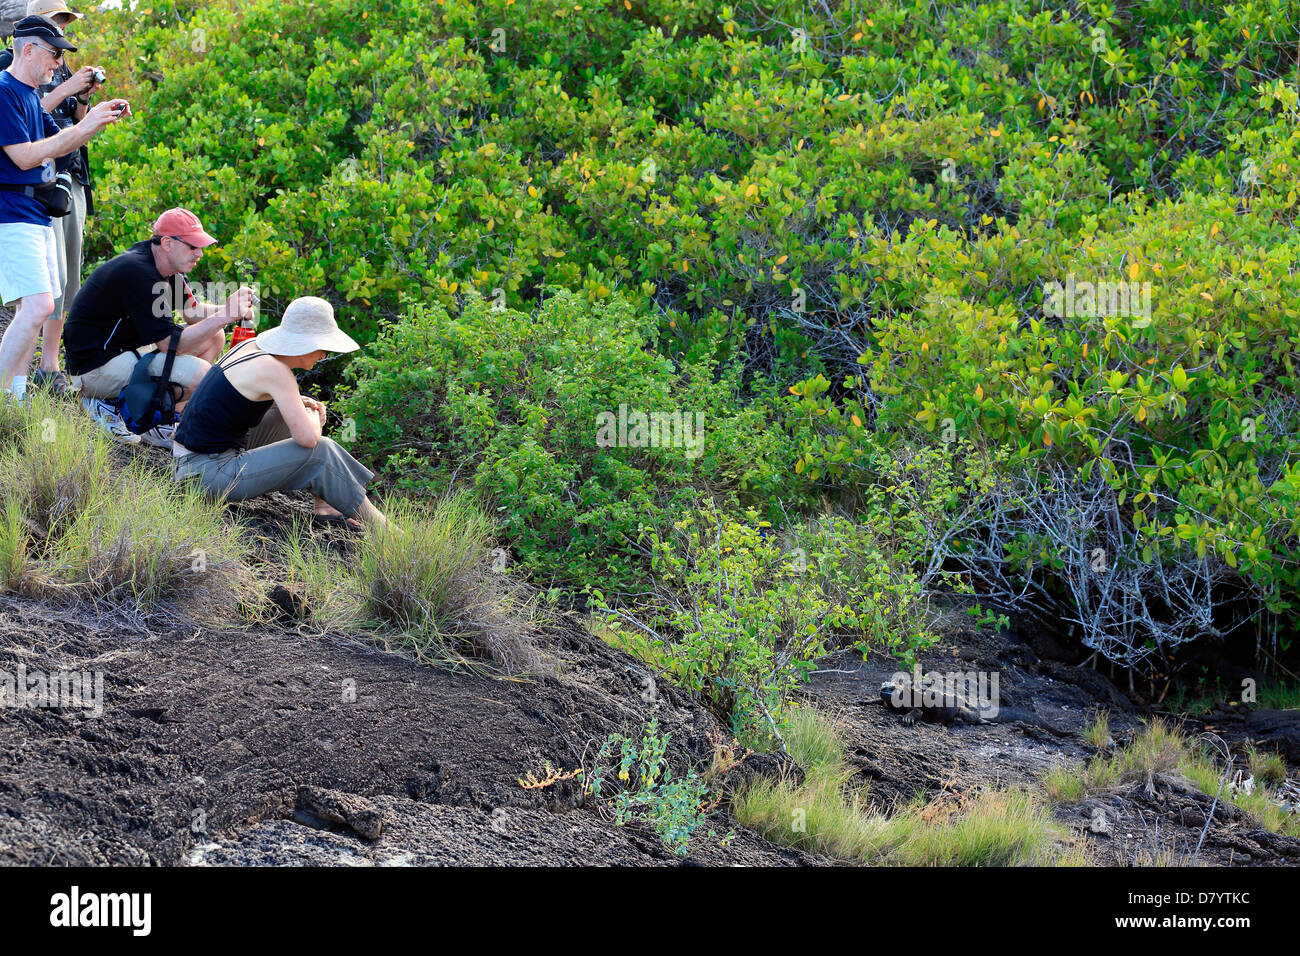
427 588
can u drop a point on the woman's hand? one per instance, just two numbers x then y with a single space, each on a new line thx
314 406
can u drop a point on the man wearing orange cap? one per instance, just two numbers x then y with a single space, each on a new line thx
125 310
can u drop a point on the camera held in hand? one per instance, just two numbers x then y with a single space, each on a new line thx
98 76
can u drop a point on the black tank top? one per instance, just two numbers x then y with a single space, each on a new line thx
218 417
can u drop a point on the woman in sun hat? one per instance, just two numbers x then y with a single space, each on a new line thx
248 431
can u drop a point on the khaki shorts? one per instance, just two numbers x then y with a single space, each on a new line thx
111 377
68 232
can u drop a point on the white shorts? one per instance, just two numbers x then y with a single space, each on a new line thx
29 261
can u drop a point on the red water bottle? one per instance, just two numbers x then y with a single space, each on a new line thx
242 332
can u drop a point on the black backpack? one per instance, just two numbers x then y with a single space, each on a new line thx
148 401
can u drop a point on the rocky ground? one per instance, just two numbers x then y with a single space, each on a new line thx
283 745
286 745
1045 705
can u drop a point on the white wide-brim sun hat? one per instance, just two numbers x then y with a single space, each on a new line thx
307 325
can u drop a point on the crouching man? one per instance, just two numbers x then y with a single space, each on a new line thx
125 311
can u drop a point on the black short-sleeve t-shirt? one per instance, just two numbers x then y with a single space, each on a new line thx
124 304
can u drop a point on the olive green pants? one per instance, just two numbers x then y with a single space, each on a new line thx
275 462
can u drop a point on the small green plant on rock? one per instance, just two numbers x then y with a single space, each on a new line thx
674 807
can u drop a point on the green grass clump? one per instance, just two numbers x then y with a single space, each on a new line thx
1161 748
989 828
78 524
1097 733
827 814
413 576
1065 784
1277 696
1280 696
1266 767
424 584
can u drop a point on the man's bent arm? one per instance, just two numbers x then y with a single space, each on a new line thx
203 310
31 155
191 335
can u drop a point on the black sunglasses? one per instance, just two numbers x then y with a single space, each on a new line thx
57 54
182 242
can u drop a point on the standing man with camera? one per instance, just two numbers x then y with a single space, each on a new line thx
30 141
65 98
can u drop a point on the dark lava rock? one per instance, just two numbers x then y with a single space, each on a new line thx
344 809
1277 728
763 765
289 605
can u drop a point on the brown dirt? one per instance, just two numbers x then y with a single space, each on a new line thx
208 735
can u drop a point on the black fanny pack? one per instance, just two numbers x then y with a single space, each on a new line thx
55 196
148 400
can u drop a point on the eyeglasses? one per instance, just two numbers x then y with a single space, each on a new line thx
57 54
184 243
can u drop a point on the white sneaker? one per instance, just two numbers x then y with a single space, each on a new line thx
160 436
109 419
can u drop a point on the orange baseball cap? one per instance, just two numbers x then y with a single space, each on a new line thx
184 225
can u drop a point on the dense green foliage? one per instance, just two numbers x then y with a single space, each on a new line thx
511 401
834 233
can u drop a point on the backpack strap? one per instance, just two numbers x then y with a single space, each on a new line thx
171 354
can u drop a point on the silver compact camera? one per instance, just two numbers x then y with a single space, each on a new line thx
99 76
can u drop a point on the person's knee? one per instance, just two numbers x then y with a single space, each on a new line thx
34 310
201 368
216 344
191 373
321 450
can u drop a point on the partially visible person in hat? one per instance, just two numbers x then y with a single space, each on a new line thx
248 431
30 142
66 98
126 310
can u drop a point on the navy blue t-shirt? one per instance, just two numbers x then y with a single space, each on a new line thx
22 120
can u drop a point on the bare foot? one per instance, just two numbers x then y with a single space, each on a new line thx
323 509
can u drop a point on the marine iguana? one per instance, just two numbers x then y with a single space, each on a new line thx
943 705
939 706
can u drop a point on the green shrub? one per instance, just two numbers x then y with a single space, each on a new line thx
867 207
743 619
517 403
